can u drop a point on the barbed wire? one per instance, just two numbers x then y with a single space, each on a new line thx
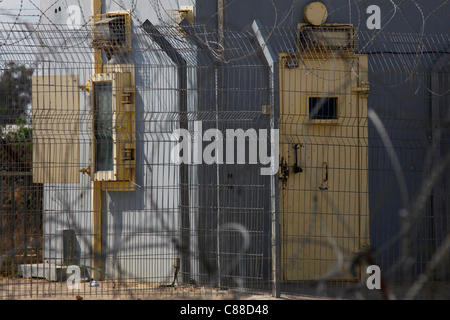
396 60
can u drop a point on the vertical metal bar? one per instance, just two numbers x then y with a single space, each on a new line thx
97 228
274 192
97 58
96 192
219 272
13 214
184 179
25 215
1 213
220 21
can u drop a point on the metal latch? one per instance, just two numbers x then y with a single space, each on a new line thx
86 171
284 169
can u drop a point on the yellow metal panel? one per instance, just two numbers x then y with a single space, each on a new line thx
124 134
118 186
327 38
96 7
364 150
96 201
186 12
96 197
326 204
56 129
122 78
96 11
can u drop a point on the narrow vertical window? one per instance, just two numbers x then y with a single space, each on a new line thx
103 123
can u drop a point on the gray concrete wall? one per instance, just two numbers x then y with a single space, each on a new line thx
403 104
406 16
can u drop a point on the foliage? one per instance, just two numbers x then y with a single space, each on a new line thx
16 145
15 92
20 132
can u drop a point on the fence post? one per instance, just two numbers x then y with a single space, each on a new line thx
274 190
181 64
274 193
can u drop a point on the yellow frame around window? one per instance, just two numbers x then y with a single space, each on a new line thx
122 78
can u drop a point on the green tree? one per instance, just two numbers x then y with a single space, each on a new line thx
15 92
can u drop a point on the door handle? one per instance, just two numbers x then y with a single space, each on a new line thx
324 185
297 168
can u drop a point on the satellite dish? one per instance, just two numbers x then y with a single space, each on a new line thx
315 13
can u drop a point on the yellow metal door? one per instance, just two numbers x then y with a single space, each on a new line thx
324 165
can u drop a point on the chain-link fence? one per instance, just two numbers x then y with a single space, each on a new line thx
176 161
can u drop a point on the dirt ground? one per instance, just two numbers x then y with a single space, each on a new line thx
36 289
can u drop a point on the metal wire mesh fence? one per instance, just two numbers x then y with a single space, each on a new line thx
170 161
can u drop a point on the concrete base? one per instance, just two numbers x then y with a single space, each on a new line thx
48 271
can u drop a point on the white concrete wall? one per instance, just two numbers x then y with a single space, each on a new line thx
139 224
